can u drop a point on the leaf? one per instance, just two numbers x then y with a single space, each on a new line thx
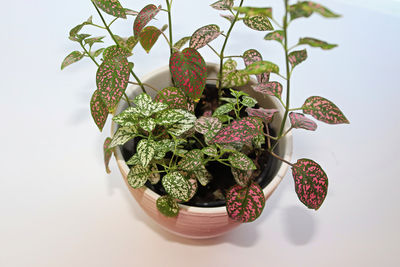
276 36
225 108
210 151
145 105
269 88
134 160
298 120
147 124
93 40
323 110
189 71
258 23
173 97
191 161
265 114
182 122
316 43
167 206
112 7
178 45
107 153
310 182
208 126
222 5
148 37
202 175
251 56
154 176
112 79
232 77
261 67
137 176
128 117
228 17
204 35
248 101
144 16
242 177
245 204
115 53
241 161
97 52
258 141
146 151
123 135
193 183
98 110
177 186
307 8
71 58
253 11
296 57
169 117
130 12
239 131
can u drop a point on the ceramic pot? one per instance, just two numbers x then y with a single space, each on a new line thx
199 222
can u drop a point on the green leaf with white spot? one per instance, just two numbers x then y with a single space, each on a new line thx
177 186
208 126
202 175
134 160
143 103
146 151
258 141
242 162
242 177
154 176
248 101
258 23
191 161
224 109
183 124
210 151
127 118
123 135
147 124
137 176
167 206
71 58
229 100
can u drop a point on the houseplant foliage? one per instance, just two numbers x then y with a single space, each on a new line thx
173 145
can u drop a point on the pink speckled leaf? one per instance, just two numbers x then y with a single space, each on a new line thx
189 72
265 114
310 182
269 88
228 17
174 97
112 79
191 161
223 4
298 120
240 161
112 7
296 57
251 56
239 131
259 67
208 126
245 204
148 37
276 36
253 11
324 110
144 16
107 153
71 58
242 177
178 45
204 35
307 8
115 53
98 110
258 23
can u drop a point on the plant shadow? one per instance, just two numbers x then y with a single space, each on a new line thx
299 225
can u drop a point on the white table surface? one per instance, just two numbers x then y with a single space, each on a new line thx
58 207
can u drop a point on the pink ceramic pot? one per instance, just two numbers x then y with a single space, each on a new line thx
196 222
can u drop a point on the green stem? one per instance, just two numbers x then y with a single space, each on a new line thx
170 26
112 22
232 56
215 51
281 159
294 109
221 62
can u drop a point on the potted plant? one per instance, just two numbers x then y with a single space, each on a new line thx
203 145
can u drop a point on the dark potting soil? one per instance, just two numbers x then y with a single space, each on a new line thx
213 194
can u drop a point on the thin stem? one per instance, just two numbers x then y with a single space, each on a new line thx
112 22
170 26
198 140
294 109
281 159
98 26
280 138
215 51
232 56
277 24
293 47
280 75
166 38
145 84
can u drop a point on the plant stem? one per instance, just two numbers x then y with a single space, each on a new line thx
145 84
215 51
170 26
112 36
221 62
294 109
280 158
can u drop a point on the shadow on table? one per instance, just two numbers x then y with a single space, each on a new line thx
299 225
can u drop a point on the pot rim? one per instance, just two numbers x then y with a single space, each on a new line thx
288 140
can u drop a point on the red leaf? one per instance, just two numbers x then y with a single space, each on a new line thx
269 88
98 109
240 131
173 97
144 16
311 183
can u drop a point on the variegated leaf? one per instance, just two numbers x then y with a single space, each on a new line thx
177 186
128 117
225 108
316 43
148 37
167 206
93 40
98 109
248 101
245 204
185 123
146 150
242 177
296 57
310 182
241 161
204 35
130 12
265 114
239 131
115 53
208 126
178 45
191 161
169 117
154 176
189 72
146 106
112 79
137 176
228 99
251 56
193 184
107 153
307 8
269 88
228 17
134 160
324 110
253 11
210 151
71 58
202 175
112 7
173 97
276 36
258 141
144 16
147 124
222 5
262 67
98 52
123 135
258 23
235 79
298 120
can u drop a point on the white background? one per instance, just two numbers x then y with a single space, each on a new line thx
58 207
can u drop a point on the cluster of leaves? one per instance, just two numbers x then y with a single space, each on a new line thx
173 146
